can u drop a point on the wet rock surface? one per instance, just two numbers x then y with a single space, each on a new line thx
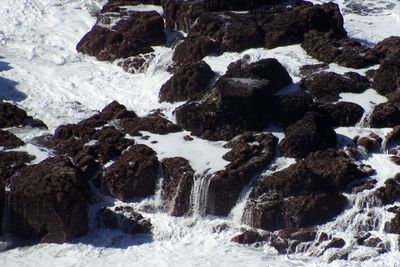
123 218
11 162
177 185
385 115
48 201
11 116
386 78
9 140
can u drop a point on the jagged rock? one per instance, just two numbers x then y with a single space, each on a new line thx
307 135
390 192
304 194
177 185
389 46
387 77
336 243
385 115
194 49
154 123
288 26
11 116
287 109
114 111
393 226
187 82
235 105
345 52
371 143
9 140
392 139
233 32
129 37
326 86
12 161
134 174
2 203
250 154
341 114
123 218
48 202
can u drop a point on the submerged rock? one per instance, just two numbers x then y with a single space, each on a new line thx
48 202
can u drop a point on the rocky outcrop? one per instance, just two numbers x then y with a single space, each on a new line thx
389 46
304 194
343 51
326 86
2 203
341 114
134 174
11 162
385 115
187 82
307 135
128 37
177 185
9 140
250 154
123 218
372 143
11 116
193 49
390 192
48 202
387 77
237 102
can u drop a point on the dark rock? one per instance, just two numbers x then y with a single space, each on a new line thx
341 114
304 194
287 109
11 162
373 242
2 203
177 185
390 192
233 32
154 123
249 237
387 77
48 202
345 52
326 86
9 140
136 64
336 243
235 105
265 69
114 111
365 185
124 219
393 226
194 49
134 174
307 135
385 115
371 143
289 25
392 139
115 5
129 37
389 46
307 70
11 116
250 154
187 82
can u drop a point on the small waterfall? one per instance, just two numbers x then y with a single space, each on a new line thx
198 196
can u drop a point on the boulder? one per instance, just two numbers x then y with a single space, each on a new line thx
177 185
385 115
307 135
48 202
346 52
371 143
392 140
11 162
393 226
387 77
341 114
123 218
193 49
326 86
115 111
389 46
134 174
250 154
9 140
249 237
187 82
128 37
390 192
309 69
11 116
